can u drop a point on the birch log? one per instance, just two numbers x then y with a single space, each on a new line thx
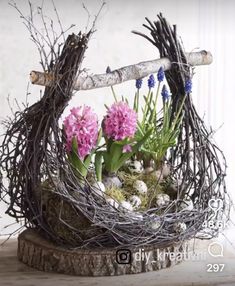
123 74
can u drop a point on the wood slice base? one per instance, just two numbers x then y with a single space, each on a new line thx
39 253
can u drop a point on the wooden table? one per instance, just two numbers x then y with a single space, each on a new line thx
192 272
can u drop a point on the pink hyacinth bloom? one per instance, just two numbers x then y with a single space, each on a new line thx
127 149
81 124
120 122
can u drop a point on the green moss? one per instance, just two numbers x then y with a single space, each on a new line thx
115 193
62 217
154 188
144 202
128 181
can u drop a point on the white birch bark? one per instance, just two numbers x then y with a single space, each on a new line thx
123 74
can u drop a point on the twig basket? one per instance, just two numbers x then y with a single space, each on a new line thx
67 212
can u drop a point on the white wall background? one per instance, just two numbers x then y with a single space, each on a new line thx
203 24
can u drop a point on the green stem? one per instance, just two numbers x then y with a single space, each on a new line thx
155 102
137 101
98 165
146 107
178 113
114 94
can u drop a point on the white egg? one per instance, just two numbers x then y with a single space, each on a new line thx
148 170
135 201
110 182
140 187
158 175
112 202
135 167
179 227
99 188
126 205
166 170
155 225
186 205
162 200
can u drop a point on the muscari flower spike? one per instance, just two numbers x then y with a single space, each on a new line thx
138 83
151 81
188 86
165 93
160 74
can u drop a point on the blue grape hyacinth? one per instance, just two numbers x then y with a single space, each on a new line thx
151 81
160 74
165 93
138 83
188 86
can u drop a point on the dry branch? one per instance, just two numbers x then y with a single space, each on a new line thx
123 74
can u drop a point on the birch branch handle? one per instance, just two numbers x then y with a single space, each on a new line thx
123 74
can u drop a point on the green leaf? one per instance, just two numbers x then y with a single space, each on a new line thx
125 141
100 134
109 143
136 102
80 167
74 145
87 161
115 154
112 155
125 156
98 165
107 161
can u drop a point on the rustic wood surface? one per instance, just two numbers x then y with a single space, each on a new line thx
41 254
15 273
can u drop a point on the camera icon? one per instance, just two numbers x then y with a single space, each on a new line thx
123 256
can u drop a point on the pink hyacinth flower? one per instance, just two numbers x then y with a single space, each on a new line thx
81 124
120 122
127 149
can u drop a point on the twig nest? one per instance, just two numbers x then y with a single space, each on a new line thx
140 187
135 201
186 205
126 206
179 227
112 202
162 200
112 182
135 167
99 188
